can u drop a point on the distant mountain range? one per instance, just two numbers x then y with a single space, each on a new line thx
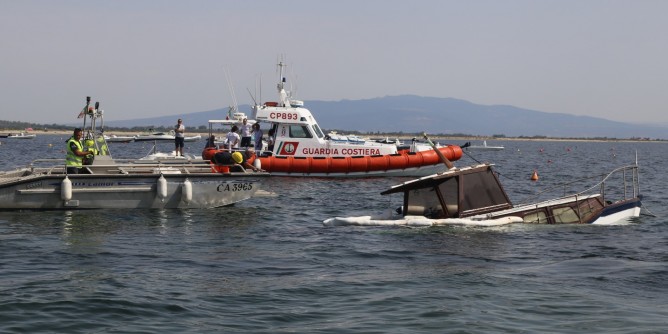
411 114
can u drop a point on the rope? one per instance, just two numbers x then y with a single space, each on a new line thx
648 212
495 170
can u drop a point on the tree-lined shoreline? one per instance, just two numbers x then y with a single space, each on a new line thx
7 127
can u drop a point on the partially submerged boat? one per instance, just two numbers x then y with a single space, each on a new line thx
474 196
112 183
302 149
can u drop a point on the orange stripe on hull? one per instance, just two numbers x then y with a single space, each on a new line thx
326 165
358 164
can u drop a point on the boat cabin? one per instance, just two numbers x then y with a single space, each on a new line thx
456 193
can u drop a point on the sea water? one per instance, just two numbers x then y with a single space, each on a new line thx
269 265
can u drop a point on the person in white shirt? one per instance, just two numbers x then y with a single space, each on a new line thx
246 130
232 139
179 136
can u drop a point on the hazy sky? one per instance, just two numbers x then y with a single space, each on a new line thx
141 58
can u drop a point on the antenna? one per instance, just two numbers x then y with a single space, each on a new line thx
251 95
229 85
255 103
293 76
282 94
281 79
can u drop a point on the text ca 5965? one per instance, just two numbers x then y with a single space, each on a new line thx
235 187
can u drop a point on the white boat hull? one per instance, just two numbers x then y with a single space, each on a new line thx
119 139
165 138
619 216
153 137
21 136
201 190
484 148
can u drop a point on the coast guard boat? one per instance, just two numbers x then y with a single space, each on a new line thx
302 149
111 183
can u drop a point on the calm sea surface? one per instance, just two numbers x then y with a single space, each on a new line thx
268 265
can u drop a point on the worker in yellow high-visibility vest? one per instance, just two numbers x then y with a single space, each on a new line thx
75 153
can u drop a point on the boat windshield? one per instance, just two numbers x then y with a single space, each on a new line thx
482 190
299 131
317 131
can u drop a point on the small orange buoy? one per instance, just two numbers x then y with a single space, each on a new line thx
534 176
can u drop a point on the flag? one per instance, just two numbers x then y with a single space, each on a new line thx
82 113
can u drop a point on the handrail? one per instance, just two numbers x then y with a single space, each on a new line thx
601 183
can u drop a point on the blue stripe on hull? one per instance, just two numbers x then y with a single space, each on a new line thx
612 209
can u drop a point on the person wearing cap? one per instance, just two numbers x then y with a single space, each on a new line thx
236 158
246 133
75 153
179 137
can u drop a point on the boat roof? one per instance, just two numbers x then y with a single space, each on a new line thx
428 181
229 121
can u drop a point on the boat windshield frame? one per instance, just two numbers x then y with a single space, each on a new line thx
456 193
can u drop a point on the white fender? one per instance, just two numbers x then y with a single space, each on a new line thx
66 189
257 163
187 191
162 188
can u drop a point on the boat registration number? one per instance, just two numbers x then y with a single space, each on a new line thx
34 185
235 187
283 115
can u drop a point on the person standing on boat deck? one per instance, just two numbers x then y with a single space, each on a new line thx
75 153
179 136
257 137
246 133
211 142
232 139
